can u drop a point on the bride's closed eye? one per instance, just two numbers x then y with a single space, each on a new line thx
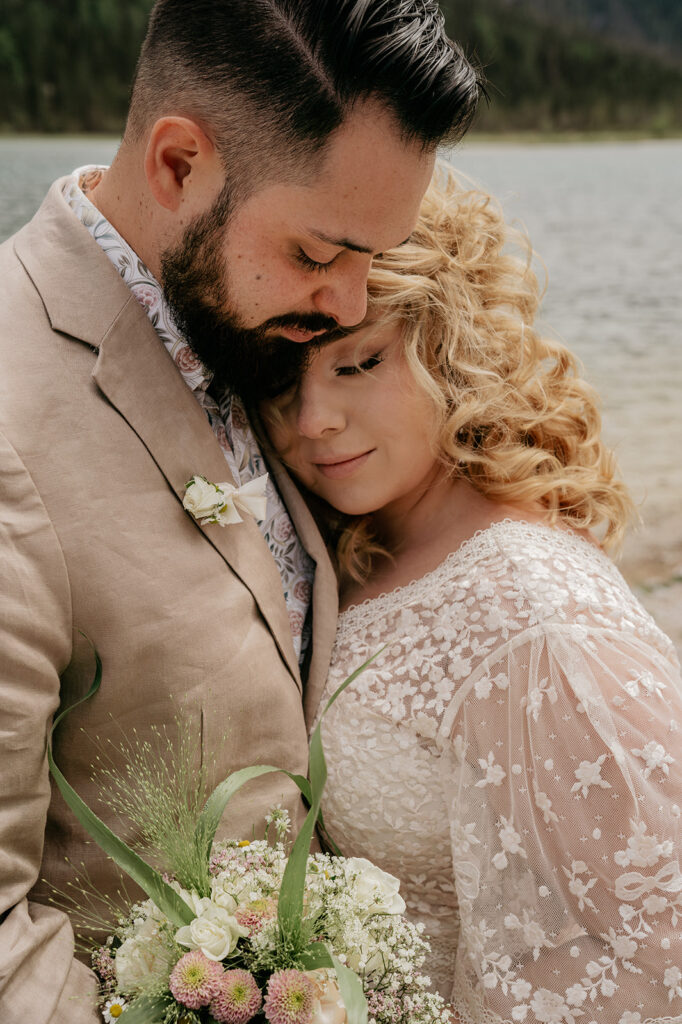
363 367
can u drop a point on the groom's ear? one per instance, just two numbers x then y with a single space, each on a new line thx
182 166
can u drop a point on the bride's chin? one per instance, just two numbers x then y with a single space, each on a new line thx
353 508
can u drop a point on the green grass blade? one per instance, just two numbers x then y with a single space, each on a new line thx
145 1010
290 906
292 888
165 898
303 785
352 993
223 793
351 679
328 840
218 800
316 955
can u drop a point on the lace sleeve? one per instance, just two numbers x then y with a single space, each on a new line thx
562 773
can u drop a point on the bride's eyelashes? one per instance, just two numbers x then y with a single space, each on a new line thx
364 367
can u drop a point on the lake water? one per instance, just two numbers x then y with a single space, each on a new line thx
606 219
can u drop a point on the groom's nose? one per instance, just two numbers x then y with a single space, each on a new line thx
343 294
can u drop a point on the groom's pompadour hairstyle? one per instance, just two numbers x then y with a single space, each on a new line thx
276 77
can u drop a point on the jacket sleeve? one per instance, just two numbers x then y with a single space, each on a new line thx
39 979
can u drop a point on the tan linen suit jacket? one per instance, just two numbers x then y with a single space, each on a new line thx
98 436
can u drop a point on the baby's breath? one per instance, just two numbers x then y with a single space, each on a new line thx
279 819
160 791
387 951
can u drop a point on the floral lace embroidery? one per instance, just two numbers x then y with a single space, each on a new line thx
513 756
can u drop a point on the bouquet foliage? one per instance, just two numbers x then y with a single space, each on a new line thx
244 931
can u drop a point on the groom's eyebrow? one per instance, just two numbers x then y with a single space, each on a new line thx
346 243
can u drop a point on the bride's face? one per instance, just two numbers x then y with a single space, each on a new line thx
357 430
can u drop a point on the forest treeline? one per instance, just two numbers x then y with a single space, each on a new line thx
67 66
549 70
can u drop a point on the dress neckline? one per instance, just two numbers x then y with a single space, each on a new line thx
481 542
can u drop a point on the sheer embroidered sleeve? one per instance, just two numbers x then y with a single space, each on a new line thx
513 756
564 783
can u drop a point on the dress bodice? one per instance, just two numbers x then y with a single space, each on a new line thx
512 755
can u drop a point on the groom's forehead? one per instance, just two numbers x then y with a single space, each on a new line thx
362 198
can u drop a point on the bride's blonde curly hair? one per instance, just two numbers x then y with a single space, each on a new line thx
513 416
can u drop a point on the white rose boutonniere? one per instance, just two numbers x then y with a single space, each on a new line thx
222 503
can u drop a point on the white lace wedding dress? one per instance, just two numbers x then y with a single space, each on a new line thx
514 757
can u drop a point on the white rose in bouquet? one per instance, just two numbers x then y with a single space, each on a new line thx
214 931
142 957
374 887
221 897
365 958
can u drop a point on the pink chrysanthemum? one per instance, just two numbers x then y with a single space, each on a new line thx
238 999
254 915
290 998
195 980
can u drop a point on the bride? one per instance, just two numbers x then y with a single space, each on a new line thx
513 753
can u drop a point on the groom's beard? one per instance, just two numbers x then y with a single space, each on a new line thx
248 360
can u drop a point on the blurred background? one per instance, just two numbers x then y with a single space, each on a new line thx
581 142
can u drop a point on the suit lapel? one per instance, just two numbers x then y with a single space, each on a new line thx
142 382
325 591
86 299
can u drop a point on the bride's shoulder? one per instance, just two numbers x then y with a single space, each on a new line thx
553 569
515 569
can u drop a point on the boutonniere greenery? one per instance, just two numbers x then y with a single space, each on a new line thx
224 503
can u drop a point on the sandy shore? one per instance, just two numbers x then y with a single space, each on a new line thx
665 604
654 570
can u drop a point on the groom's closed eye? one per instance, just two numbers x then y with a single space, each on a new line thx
309 263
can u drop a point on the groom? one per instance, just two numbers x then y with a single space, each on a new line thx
271 150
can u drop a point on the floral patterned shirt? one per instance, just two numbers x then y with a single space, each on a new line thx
226 415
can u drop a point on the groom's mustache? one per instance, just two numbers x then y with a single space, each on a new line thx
308 322
304 321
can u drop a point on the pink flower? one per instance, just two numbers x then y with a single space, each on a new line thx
254 915
302 590
381 1003
195 980
103 965
290 998
296 622
146 295
186 360
238 999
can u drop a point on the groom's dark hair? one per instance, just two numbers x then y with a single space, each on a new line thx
270 80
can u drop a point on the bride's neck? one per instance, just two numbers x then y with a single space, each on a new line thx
418 537
410 524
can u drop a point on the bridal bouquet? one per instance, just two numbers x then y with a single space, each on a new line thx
242 931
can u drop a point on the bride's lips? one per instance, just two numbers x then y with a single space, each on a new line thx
337 469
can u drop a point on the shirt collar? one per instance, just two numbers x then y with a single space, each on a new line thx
136 275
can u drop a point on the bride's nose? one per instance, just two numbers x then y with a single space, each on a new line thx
320 408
